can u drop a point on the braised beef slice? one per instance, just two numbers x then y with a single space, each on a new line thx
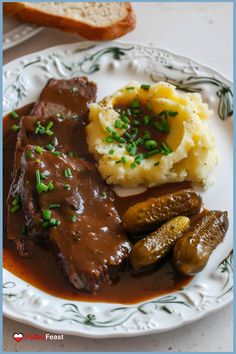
64 98
59 98
89 239
66 135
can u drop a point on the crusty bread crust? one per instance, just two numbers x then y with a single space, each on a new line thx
116 30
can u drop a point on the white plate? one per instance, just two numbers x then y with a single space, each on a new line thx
111 66
16 32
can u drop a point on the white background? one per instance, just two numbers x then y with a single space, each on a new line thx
203 32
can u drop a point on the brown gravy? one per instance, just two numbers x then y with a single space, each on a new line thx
41 269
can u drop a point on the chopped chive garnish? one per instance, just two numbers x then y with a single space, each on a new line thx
150 144
145 86
146 135
49 125
125 119
38 179
139 141
38 149
123 160
138 159
158 125
42 175
67 186
135 104
54 222
14 115
54 206
56 153
16 204
16 201
111 152
49 132
166 149
124 125
39 129
50 186
133 165
119 161
108 139
15 128
42 187
133 151
57 222
151 153
129 136
146 120
168 113
122 140
50 147
163 126
128 147
136 123
15 209
103 194
42 130
156 163
29 154
130 88
68 173
51 222
117 124
136 111
47 214
109 130
74 218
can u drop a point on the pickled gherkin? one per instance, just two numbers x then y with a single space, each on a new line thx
154 247
148 215
192 251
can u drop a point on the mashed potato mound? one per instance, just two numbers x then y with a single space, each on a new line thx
187 153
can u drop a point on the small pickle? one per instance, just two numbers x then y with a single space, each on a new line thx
147 215
192 251
154 247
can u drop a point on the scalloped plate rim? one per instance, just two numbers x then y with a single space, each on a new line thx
163 49
123 334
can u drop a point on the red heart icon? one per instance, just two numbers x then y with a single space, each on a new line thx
18 336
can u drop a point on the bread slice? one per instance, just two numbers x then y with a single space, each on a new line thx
92 20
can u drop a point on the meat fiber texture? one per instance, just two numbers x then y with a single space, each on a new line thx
89 238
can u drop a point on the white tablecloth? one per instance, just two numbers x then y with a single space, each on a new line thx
203 32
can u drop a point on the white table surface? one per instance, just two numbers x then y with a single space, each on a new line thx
205 33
